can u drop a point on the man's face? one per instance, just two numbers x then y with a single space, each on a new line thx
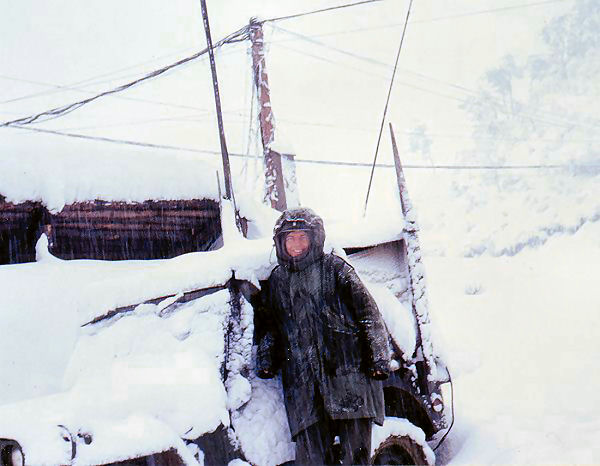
297 243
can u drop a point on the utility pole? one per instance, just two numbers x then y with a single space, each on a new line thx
213 69
229 195
277 165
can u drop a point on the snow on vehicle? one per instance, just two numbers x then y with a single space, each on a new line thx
171 380
162 369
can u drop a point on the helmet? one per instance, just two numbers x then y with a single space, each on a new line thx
305 219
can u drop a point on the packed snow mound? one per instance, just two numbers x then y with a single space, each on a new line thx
66 171
262 425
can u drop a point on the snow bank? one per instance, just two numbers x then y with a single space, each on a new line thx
262 425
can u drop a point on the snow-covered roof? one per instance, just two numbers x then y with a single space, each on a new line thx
60 172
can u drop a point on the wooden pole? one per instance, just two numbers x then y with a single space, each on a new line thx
274 178
213 69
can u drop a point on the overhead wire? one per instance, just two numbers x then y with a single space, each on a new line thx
237 36
386 105
370 73
309 161
491 10
322 10
312 39
550 118
429 20
72 86
57 88
129 98
241 35
92 80
565 124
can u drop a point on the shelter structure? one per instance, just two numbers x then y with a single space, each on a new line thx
153 229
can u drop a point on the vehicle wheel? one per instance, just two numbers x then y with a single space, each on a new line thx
400 450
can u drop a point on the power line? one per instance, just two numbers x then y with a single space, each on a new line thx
373 61
70 87
369 73
534 114
338 7
84 81
386 105
492 10
428 20
440 18
193 117
57 88
243 119
305 161
237 36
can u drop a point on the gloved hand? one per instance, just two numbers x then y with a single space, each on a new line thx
380 369
265 374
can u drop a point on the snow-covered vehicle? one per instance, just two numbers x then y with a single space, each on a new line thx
170 380
159 369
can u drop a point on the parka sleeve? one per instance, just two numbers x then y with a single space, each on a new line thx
265 334
367 315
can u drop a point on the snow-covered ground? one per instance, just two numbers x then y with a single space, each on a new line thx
521 337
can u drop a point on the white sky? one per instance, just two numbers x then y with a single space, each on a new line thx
328 103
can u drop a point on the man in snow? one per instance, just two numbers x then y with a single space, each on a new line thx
316 321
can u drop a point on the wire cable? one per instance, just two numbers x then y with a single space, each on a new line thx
58 88
237 36
452 423
305 161
386 106
481 12
87 82
545 117
331 8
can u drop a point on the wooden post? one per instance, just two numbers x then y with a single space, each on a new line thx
274 178
229 194
213 69
416 276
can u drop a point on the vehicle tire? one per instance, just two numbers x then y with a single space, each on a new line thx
399 450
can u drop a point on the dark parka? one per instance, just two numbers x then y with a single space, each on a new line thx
316 321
